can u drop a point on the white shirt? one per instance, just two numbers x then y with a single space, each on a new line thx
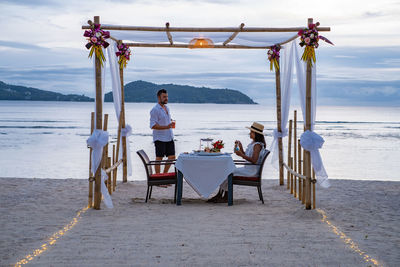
159 116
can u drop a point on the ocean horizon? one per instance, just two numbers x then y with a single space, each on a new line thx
44 139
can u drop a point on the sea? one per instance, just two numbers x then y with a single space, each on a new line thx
48 139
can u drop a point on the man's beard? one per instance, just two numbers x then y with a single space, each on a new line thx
164 102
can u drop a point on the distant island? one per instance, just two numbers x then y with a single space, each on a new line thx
142 91
18 92
137 91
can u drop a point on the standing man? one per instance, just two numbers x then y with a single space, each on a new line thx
160 122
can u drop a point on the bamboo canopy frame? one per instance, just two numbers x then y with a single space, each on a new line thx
307 179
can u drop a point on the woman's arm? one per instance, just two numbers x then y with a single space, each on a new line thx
159 127
254 158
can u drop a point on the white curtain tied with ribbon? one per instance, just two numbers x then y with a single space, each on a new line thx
97 141
310 140
116 91
286 68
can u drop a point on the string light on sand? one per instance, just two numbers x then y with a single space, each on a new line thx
52 240
353 246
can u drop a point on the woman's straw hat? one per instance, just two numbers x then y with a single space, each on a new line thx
256 127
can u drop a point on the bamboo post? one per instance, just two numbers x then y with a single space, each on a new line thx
115 170
295 140
278 115
303 200
90 197
291 176
299 167
124 156
313 190
289 151
105 149
99 123
118 140
307 157
109 176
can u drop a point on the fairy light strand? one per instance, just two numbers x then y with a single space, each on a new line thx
347 240
52 240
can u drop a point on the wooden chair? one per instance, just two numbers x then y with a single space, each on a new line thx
251 181
157 178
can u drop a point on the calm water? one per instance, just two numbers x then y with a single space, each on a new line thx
48 139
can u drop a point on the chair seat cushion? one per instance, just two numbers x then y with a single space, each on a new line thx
158 176
246 178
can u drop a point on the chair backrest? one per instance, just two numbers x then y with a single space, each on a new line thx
145 159
263 161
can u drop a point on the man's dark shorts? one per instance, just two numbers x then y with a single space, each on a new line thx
165 148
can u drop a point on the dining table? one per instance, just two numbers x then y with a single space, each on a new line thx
204 172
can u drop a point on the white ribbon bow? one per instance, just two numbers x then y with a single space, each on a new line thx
97 141
127 131
312 142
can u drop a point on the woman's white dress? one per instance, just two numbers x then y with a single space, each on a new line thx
248 170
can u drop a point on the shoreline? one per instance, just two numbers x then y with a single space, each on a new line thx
198 233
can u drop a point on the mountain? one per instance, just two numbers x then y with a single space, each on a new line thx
141 91
17 92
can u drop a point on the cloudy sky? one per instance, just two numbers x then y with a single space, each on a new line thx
42 46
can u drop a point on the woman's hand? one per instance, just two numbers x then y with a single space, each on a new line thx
239 153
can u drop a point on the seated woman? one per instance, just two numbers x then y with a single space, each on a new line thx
254 153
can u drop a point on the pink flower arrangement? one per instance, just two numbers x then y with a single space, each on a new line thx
273 56
309 37
124 54
96 40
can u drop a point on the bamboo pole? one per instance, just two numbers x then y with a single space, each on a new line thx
307 157
115 170
313 190
109 176
303 200
295 150
291 176
124 155
99 123
202 29
118 141
105 149
278 120
234 34
289 152
299 166
90 196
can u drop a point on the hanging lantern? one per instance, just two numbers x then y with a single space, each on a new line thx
201 42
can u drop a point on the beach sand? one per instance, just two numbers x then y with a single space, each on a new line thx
134 233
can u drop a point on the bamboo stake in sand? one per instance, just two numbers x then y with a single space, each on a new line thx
291 176
115 170
99 123
109 176
278 120
307 157
299 167
124 155
295 150
90 197
289 153
313 189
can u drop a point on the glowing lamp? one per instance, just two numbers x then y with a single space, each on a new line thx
201 43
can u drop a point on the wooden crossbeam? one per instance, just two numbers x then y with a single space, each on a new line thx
194 29
234 34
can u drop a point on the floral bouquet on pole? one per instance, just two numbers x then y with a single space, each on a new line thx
96 41
309 37
124 54
273 56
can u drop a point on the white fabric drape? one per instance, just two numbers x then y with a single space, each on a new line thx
116 91
97 141
286 68
99 138
310 140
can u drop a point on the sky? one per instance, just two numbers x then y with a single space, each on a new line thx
42 46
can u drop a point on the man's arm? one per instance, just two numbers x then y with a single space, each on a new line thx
159 127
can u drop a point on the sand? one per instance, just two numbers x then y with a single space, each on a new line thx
159 233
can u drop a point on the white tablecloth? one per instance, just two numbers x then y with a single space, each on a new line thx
205 173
